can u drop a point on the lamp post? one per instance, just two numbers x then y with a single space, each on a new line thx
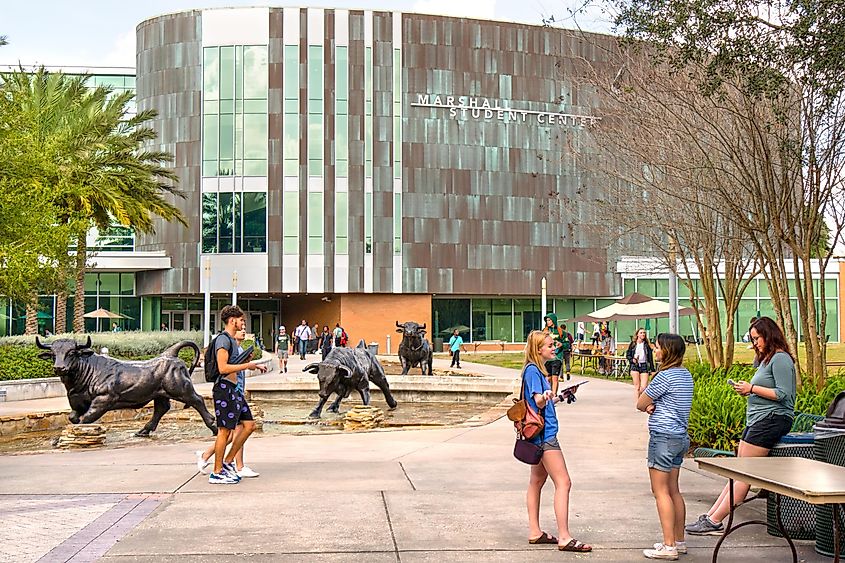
673 289
543 298
234 287
206 272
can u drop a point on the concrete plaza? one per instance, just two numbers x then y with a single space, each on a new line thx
454 494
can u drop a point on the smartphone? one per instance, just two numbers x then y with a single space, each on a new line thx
731 382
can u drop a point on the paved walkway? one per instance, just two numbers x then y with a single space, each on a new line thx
414 495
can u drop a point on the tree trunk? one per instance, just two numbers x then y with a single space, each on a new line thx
32 315
61 313
79 298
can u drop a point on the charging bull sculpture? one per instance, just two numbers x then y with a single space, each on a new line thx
345 370
414 350
97 384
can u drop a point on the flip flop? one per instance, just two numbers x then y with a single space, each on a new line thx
543 539
576 546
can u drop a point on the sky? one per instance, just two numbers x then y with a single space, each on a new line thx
101 33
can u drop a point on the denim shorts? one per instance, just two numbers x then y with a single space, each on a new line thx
639 368
552 444
666 451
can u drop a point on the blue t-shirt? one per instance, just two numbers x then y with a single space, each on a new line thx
455 343
535 382
671 391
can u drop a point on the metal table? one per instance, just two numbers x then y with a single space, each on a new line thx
804 479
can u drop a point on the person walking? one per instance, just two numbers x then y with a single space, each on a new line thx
325 343
565 350
282 348
455 343
230 407
539 349
641 360
553 366
668 401
203 458
302 335
337 333
768 415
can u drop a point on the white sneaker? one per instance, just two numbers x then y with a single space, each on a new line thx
202 464
661 551
247 472
681 546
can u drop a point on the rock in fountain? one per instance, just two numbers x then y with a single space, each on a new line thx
257 415
78 436
363 417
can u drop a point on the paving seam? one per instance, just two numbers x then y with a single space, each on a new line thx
91 542
408 477
390 525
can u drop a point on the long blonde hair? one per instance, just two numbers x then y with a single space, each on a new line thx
536 340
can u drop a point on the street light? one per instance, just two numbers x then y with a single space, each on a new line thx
235 287
543 298
206 272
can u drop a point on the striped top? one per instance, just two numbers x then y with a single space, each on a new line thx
671 391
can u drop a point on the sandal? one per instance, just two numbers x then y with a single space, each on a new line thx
576 546
543 539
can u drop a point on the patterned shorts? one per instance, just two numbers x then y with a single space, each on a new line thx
230 405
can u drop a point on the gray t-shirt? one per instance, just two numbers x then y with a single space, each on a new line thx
224 340
777 374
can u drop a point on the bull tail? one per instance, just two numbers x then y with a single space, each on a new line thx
173 352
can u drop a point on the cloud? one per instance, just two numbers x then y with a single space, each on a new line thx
122 52
479 9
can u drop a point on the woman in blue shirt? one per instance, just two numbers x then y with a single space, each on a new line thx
539 349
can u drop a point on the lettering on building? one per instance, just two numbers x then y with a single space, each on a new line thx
482 109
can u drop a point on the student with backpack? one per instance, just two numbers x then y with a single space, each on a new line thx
230 406
565 350
553 366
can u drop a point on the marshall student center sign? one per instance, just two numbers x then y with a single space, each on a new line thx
468 107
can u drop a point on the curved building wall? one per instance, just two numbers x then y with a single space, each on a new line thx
352 151
169 81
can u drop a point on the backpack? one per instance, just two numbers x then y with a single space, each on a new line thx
344 338
566 343
212 374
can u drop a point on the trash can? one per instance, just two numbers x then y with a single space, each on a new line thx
437 344
798 517
830 448
372 347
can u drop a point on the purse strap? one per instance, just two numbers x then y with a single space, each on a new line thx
522 397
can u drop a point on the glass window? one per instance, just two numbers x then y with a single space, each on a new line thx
397 223
291 72
210 138
502 320
831 288
832 323
255 71
368 223
341 73
209 222
255 167
315 223
629 286
449 314
225 226
315 137
227 73
482 313
255 136
255 222
91 284
237 222
290 226
211 73
109 284
127 284
227 137
341 215
239 72
527 317
661 289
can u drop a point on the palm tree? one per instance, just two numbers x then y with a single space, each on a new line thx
104 172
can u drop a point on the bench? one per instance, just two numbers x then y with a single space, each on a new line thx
477 343
802 424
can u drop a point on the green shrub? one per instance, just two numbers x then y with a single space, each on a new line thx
22 362
19 356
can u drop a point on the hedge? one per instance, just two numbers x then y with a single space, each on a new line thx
19 355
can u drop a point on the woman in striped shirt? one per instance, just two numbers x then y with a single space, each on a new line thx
668 401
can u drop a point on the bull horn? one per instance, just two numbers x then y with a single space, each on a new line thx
86 345
346 370
40 345
423 326
313 367
397 324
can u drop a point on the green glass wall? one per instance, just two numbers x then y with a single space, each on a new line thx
234 222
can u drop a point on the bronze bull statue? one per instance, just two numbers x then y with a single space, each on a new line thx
97 384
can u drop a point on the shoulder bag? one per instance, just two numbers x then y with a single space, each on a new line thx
528 424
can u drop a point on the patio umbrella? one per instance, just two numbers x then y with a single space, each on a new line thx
632 307
459 328
103 314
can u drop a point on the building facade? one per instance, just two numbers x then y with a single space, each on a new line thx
367 167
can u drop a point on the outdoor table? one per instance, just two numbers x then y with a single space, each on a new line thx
804 479
586 360
618 365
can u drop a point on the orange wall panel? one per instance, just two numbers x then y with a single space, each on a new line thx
374 316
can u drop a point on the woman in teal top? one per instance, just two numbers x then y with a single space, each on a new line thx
768 416
539 349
